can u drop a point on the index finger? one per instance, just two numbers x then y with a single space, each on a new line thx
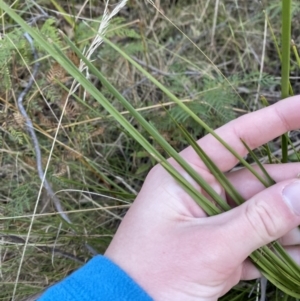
254 128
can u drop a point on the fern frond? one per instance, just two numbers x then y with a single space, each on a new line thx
50 31
16 136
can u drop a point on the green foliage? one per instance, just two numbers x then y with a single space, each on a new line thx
20 198
214 104
52 94
5 74
50 32
117 28
13 46
16 135
15 51
252 79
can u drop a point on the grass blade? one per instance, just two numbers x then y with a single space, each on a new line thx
154 133
285 63
219 175
189 111
63 12
268 177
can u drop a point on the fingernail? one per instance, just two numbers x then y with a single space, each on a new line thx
291 195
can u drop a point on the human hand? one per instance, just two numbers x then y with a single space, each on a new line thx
168 245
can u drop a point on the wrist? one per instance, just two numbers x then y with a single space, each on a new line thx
161 287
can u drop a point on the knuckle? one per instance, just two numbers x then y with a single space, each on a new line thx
262 220
283 120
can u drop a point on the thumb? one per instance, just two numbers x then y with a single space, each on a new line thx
264 218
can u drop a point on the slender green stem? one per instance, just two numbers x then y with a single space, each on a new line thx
63 13
255 158
269 153
285 63
284 149
295 51
266 146
277 46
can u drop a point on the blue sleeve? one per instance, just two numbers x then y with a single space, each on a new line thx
99 279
